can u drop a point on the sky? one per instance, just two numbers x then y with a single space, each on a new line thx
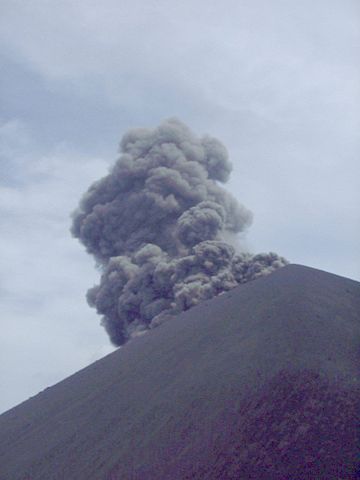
278 83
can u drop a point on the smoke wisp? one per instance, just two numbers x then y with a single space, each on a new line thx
156 225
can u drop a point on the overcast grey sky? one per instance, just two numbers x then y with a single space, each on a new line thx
276 81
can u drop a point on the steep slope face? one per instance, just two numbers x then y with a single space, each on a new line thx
259 383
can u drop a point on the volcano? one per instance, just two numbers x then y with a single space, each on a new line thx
261 382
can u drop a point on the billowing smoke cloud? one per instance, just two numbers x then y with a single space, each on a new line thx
156 226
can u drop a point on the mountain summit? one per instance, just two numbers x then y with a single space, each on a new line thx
261 382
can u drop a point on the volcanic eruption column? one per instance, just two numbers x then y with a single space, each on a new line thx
157 224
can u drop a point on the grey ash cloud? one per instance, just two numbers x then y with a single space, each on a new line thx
158 226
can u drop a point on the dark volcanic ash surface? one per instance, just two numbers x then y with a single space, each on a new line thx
261 382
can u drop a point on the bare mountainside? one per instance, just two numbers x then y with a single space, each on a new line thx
261 382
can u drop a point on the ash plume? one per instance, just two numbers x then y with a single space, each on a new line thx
156 225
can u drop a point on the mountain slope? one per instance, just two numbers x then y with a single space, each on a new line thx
259 383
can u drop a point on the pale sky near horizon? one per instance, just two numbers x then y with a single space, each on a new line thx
278 82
